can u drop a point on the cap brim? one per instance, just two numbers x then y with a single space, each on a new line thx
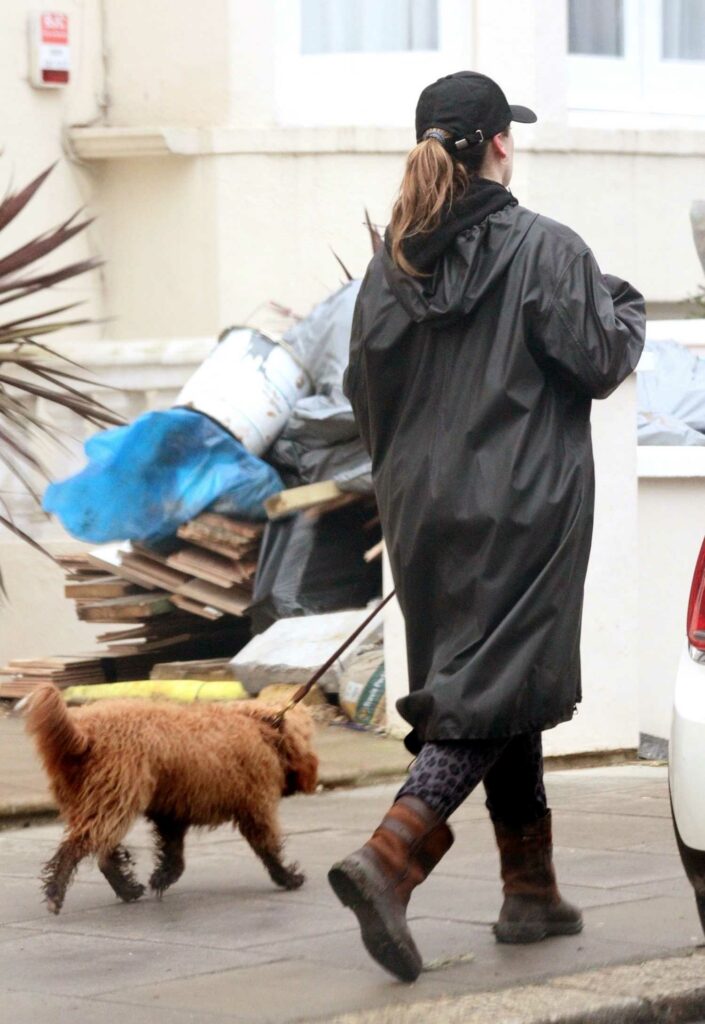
522 114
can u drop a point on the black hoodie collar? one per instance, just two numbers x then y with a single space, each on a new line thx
485 197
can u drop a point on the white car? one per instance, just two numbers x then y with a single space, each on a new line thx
687 749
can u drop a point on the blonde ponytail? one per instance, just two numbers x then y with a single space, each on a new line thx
432 179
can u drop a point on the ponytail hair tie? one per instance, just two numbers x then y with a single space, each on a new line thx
438 135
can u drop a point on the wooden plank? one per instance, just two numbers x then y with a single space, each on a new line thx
234 601
322 509
204 611
162 575
147 646
109 557
176 621
227 526
210 669
206 565
374 552
137 632
160 557
133 608
77 563
225 536
244 553
296 499
101 586
233 574
49 665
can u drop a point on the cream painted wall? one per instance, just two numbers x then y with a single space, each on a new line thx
231 221
632 209
280 218
33 123
607 717
253 200
167 61
159 225
35 618
287 210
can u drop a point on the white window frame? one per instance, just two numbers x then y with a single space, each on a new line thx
363 89
641 81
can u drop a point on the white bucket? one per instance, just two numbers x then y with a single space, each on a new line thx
249 385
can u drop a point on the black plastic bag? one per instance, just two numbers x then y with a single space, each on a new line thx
312 564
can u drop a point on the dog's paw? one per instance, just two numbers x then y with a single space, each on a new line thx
131 893
160 882
53 899
293 878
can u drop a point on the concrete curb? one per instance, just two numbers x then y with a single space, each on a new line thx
13 813
662 991
354 780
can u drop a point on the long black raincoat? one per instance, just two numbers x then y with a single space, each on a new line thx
472 390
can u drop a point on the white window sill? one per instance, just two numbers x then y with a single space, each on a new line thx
99 354
90 144
690 333
676 462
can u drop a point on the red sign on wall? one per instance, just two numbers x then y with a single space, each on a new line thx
55 28
50 56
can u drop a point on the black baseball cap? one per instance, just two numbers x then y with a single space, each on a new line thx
470 106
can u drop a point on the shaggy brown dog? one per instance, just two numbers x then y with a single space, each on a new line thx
177 765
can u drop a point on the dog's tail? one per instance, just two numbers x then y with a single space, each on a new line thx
48 720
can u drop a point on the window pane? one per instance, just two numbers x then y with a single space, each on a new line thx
368 26
683 29
596 27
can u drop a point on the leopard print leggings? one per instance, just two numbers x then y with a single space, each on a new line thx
445 774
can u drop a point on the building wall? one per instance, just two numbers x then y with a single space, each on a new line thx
171 132
37 620
278 188
158 225
33 131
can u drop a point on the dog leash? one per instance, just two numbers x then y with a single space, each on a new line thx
307 687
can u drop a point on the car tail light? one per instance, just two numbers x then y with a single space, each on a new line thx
696 604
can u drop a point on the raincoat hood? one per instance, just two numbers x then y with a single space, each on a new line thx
468 264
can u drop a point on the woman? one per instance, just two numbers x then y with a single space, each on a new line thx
481 334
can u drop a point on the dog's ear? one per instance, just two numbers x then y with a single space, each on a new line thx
305 771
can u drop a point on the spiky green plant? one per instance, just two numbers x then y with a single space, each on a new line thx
29 368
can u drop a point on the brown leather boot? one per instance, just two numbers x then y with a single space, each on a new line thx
377 880
533 907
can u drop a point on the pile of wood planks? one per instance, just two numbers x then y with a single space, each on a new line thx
183 600
178 610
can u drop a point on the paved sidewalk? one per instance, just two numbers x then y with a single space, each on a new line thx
225 945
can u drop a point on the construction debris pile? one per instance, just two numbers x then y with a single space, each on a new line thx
218 549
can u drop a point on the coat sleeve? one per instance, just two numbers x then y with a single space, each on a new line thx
592 330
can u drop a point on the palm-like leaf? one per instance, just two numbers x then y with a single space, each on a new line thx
375 235
29 369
